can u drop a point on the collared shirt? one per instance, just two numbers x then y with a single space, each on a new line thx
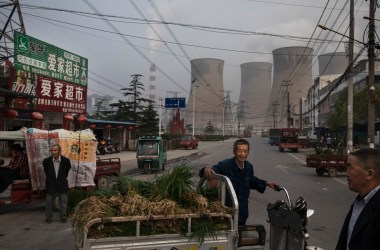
359 204
237 163
56 165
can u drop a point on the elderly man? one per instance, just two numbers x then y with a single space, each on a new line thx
361 228
56 169
240 171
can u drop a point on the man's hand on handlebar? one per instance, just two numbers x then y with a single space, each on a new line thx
273 186
208 172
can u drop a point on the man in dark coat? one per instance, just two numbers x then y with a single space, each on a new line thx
361 228
240 172
56 168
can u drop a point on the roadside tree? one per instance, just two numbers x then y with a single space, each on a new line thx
148 120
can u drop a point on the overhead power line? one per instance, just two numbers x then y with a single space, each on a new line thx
164 41
145 21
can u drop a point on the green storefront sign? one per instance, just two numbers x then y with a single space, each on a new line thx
41 58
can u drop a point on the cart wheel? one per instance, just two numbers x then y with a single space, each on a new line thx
332 172
147 168
319 171
102 182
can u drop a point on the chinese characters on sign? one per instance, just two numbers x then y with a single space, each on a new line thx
175 102
59 96
41 58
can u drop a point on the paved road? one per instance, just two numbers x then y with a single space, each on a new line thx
23 227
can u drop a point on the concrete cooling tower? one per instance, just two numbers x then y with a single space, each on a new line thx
292 73
207 82
333 63
256 81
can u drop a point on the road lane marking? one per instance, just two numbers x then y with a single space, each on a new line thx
340 181
283 168
297 158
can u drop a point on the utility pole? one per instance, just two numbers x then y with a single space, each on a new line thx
226 109
172 110
274 105
371 75
241 115
301 115
350 92
287 84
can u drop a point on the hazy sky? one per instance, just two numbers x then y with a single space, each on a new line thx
120 43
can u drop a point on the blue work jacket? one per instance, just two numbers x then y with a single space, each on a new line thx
243 180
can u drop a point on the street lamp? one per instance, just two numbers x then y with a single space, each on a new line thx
160 116
353 39
194 86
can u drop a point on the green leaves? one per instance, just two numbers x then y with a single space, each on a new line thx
177 183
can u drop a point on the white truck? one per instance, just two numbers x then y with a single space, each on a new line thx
234 237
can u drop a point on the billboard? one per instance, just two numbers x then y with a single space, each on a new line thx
59 96
38 57
175 102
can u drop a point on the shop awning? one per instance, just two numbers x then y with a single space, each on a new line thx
11 93
12 135
110 122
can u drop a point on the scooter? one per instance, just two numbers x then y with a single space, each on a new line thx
101 149
288 224
116 147
109 148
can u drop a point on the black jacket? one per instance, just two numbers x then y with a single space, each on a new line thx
366 232
58 184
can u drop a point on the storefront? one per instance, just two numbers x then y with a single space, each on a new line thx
114 131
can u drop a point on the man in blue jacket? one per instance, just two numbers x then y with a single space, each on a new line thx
240 172
361 228
57 169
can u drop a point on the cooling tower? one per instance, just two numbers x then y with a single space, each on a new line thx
333 63
292 73
256 81
207 83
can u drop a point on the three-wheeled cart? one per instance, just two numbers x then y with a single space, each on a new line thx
327 163
151 153
231 238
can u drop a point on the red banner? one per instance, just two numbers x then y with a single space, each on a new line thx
58 96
